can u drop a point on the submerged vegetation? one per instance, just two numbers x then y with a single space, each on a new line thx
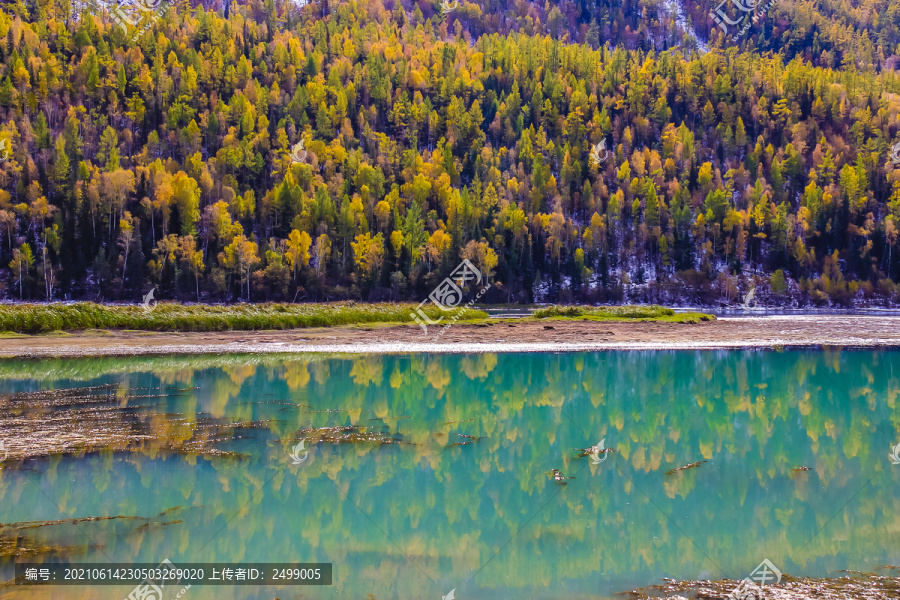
14 545
350 434
107 418
94 367
852 586
40 318
621 313
693 465
28 539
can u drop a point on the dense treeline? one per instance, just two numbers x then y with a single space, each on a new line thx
835 34
168 162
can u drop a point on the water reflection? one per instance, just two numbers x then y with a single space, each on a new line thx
415 519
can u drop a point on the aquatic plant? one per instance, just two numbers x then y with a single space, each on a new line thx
97 418
853 586
693 465
14 544
94 367
351 434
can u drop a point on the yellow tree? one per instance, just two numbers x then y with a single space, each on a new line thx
161 201
437 246
239 257
115 187
297 252
515 221
382 214
186 195
890 235
322 251
191 259
397 244
482 256
368 254
20 265
126 239
163 256
217 226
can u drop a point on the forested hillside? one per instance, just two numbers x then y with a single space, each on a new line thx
829 33
172 161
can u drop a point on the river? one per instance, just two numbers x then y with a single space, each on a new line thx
435 474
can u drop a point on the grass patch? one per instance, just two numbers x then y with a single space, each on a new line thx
44 318
9 335
620 313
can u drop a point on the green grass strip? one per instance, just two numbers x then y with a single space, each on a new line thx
43 318
620 313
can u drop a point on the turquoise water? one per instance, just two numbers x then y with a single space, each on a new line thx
419 518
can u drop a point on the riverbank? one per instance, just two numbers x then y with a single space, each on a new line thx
496 335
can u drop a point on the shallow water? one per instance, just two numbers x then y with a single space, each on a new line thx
774 311
419 518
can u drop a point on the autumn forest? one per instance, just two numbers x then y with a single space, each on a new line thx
264 151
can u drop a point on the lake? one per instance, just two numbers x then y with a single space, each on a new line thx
431 473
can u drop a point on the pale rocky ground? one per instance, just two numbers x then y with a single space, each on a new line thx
507 335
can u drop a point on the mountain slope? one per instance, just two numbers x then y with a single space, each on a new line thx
168 163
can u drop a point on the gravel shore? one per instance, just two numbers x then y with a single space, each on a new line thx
508 335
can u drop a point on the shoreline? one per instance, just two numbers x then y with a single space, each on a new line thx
504 335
